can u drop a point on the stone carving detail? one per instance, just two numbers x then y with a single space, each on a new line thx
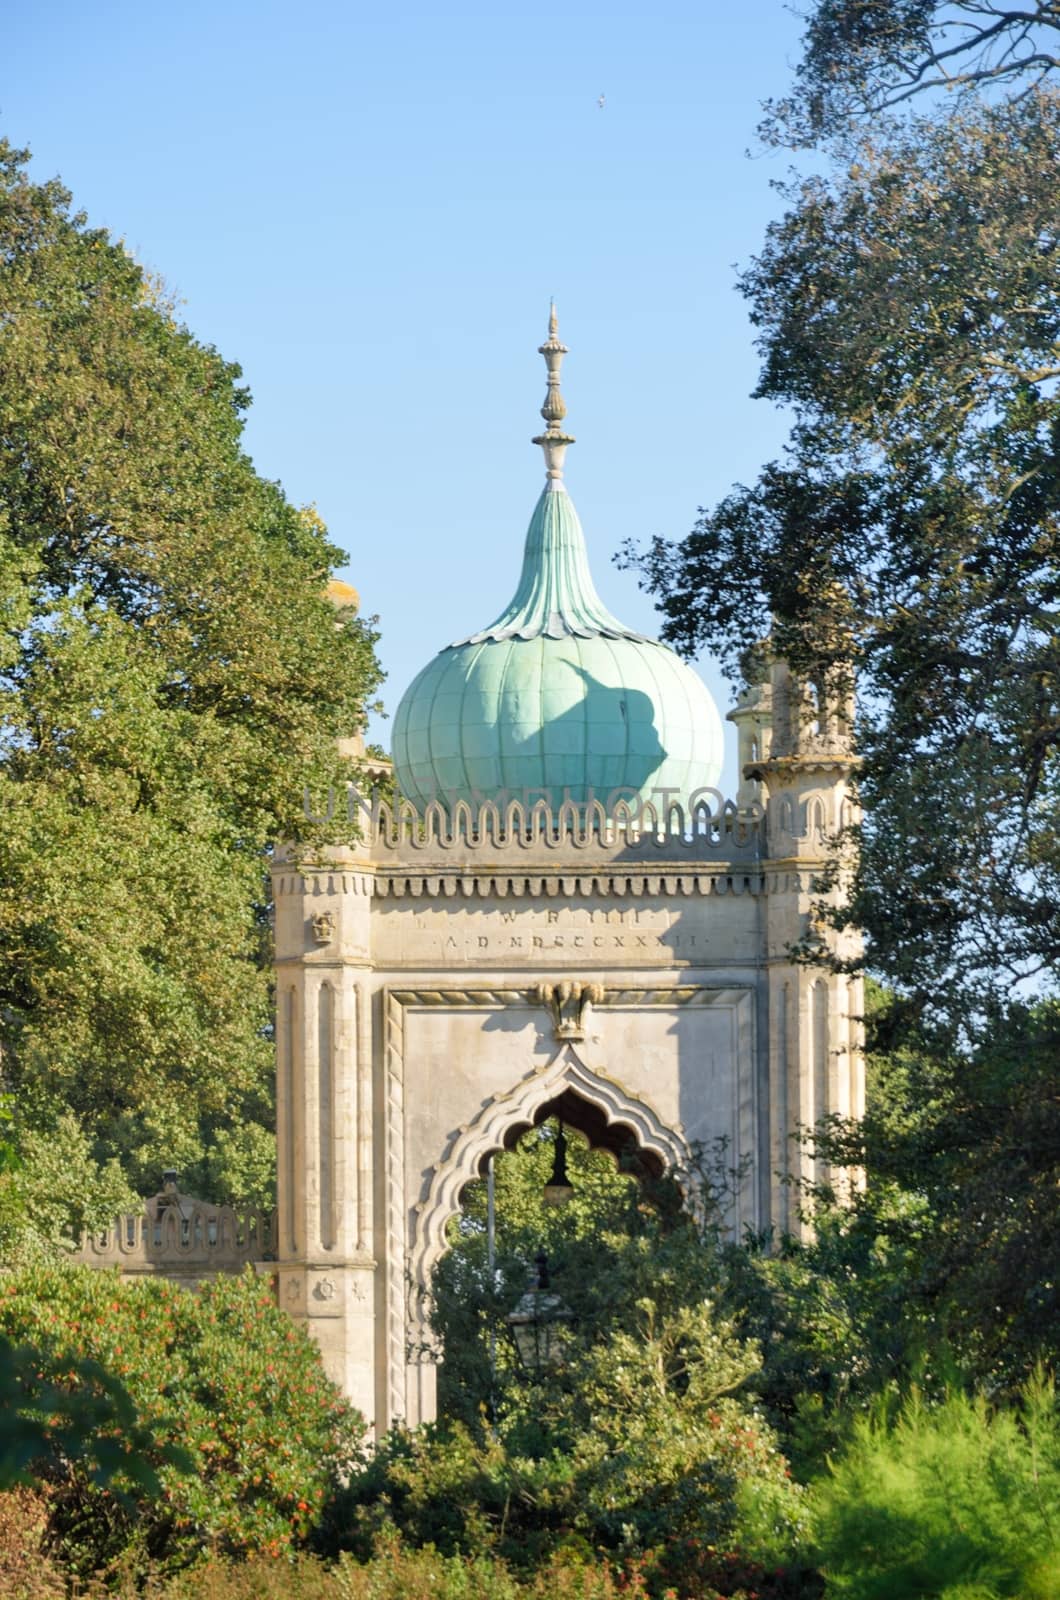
395 1207
569 1003
323 1289
323 927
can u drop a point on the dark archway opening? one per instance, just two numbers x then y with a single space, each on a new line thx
615 1139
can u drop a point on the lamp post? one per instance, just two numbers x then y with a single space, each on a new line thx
559 1190
538 1322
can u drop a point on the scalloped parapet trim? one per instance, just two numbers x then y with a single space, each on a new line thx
712 829
489 886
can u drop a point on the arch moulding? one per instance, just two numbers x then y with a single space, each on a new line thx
487 1133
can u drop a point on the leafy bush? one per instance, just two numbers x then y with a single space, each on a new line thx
232 1412
955 1502
663 1444
401 1574
641 1441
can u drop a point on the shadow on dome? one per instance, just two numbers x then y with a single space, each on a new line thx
608 740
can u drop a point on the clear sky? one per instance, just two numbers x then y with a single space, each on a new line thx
368 207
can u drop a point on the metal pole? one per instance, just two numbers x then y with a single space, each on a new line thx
491 1259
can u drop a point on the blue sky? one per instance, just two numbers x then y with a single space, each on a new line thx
368 207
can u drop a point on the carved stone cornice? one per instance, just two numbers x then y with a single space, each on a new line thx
783 769
500 885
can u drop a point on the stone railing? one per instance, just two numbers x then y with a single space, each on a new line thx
177 1236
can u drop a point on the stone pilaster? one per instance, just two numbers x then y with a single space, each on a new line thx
326 1271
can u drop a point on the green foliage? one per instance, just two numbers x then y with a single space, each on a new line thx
942 1267
861 57
171 677
56 1191
643 1437
470 1305
955 1501
232 1413
396 1573
664 1443
85 1417
909 312
914 532
963 1189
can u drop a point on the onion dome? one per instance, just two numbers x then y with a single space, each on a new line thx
556 694
343 596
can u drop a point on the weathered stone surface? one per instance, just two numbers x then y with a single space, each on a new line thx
477 969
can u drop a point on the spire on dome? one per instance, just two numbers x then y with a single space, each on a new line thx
556 597
553 441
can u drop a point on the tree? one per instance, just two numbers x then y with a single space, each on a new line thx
908 306
909 312
644 1442
862 58
954 1500
171 676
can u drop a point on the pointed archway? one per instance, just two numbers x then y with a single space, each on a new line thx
600 1108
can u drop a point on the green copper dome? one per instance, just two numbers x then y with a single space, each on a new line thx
556 694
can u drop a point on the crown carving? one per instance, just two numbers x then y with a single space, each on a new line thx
569 1003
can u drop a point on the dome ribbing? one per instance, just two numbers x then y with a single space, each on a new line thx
556 594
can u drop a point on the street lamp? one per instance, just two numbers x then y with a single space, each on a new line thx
538 1323
559 1190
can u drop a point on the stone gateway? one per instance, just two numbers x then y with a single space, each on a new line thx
558 917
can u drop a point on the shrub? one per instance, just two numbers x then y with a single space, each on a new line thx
638 1443
955 1502
233 1414
401 1574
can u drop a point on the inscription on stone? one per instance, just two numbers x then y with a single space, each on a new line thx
649 934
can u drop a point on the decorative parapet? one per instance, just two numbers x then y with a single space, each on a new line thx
177 1236
701 827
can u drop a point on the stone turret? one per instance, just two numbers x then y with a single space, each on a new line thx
804 774
753 717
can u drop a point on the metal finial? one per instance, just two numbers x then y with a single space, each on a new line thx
553 441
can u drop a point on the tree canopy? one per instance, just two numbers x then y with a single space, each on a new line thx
171 676
864 57
907 304
909 312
